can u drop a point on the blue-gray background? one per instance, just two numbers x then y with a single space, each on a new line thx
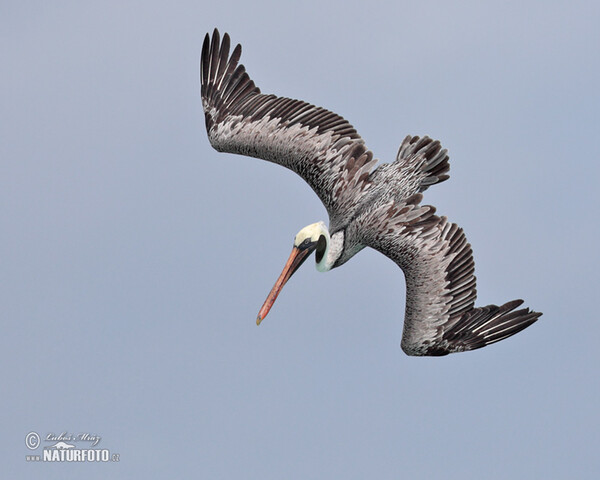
134 257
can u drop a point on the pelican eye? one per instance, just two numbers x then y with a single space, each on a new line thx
305 244
321 247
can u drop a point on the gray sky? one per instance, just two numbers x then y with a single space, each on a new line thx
135 257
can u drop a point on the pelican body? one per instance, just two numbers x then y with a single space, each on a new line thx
368 205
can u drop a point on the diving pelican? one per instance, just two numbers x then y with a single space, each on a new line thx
368 206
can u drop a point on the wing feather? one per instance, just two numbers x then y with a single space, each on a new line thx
438 265
319 145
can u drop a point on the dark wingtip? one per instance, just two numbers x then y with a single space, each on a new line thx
508 306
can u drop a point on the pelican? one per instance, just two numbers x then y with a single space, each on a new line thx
368 205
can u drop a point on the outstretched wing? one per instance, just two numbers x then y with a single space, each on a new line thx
438 265
319 145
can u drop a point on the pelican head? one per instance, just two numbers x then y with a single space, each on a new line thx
314 237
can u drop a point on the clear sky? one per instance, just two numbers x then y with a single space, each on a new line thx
134 257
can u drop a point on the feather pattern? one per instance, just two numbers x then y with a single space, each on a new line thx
438 265
319 145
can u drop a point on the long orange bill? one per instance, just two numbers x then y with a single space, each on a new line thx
296 259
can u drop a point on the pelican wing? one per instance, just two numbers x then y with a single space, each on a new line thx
438 266
319 145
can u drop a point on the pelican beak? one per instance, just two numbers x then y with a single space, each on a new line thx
297 257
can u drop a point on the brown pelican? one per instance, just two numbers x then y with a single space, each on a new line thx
367 206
